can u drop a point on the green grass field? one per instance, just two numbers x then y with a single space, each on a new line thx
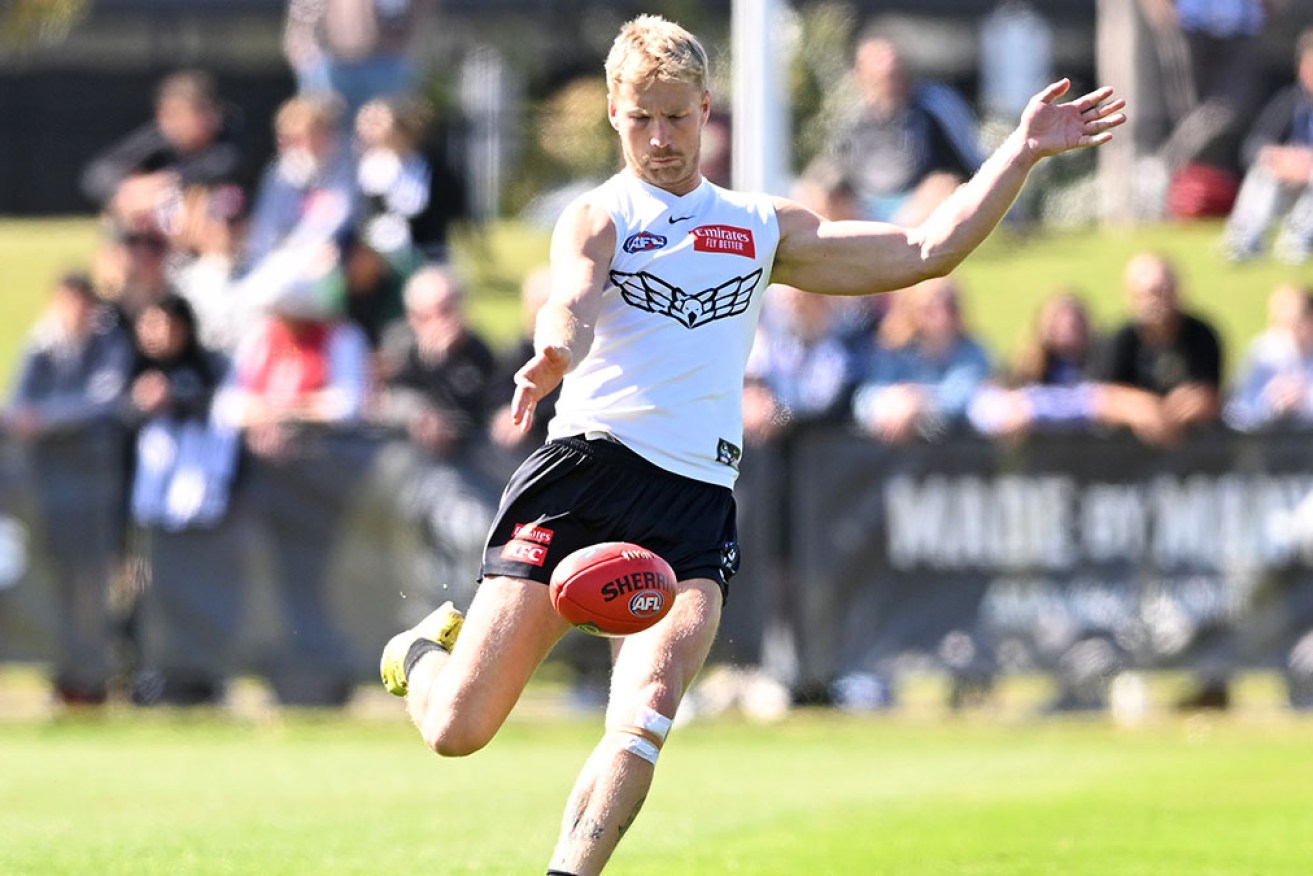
817 793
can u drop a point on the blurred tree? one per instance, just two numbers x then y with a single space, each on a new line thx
25 24
574 132
570 144
821 62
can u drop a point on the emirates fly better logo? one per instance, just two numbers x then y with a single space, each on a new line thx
727 239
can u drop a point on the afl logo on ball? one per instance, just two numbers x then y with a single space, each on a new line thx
646 603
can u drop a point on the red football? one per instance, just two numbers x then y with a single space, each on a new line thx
613 589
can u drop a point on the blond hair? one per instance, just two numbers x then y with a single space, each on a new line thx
652 49
313 113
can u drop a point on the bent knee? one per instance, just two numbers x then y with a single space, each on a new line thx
448 737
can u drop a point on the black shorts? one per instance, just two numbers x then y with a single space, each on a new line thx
571 493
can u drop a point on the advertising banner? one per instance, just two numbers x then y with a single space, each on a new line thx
979 556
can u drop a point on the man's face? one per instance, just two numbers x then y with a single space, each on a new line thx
1151 292
881 74
434 311
660 127
189 126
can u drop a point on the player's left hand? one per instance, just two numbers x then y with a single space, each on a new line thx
1050 128
533 382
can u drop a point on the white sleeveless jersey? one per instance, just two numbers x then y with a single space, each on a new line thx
664 375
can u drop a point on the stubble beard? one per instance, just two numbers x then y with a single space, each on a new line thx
673 175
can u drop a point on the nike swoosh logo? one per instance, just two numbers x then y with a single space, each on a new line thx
674 219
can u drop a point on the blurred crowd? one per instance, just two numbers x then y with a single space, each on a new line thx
218 324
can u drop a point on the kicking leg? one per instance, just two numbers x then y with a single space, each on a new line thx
459 700
652 671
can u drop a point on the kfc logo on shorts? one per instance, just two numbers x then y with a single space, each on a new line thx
643 241
525 552
728 239
533 532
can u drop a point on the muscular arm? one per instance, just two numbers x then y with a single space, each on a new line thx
857 258
582 245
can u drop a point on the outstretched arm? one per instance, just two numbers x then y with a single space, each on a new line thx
582 245
856 258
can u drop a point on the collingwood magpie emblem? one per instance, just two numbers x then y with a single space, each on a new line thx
649 292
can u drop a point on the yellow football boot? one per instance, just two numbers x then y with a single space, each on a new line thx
442 625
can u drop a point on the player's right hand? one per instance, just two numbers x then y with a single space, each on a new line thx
539 376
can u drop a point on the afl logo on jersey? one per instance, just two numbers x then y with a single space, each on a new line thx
644 241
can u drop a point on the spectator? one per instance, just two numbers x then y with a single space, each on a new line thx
1049 385
1162 376
180 491
924 369
400 217
1162 370
193 143
534 290
373 287
1212 79
133 275
1278 183
64 411
173 381
405 210
74 367
905 145
1275 383
1060 347
1016 59
355 49
307 196
436 369
302 365
216 236
436 375
923 388
297 392
800 370
132 271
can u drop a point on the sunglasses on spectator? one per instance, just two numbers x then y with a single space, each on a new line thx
148 242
